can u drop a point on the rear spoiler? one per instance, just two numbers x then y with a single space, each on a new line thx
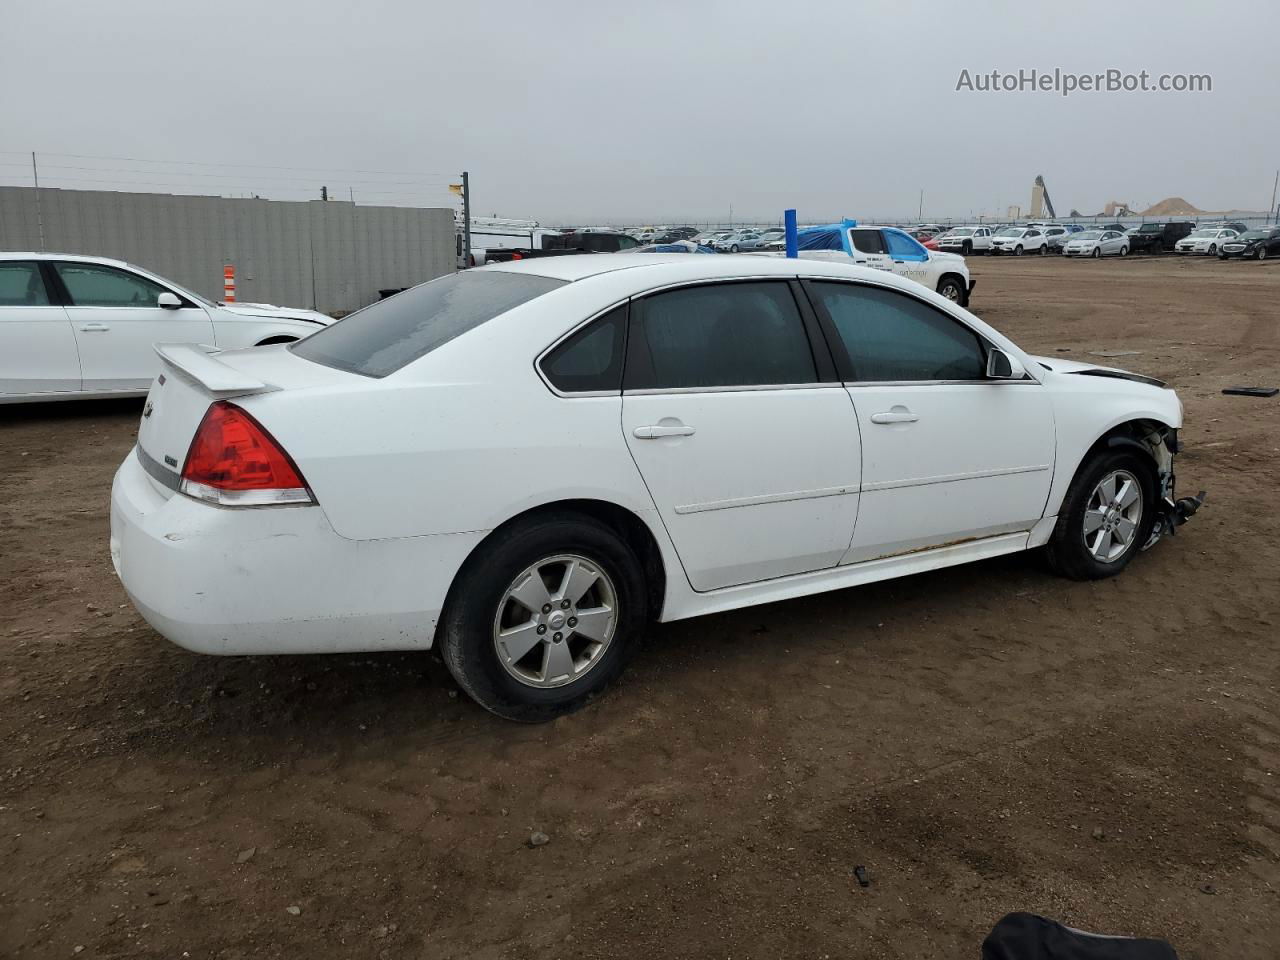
196 363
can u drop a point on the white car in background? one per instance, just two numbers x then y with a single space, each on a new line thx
966 240
74 326
1020 240
1097 243
1205 240
890 249
526 463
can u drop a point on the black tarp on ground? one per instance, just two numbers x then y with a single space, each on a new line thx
1025 936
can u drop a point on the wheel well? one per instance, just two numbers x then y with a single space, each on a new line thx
964 287
270 340
630 529
1139 435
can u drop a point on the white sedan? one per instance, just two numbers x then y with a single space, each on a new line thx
1206 240
74 327
1097 243
524 464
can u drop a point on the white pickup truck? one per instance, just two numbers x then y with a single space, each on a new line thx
891 249
966 240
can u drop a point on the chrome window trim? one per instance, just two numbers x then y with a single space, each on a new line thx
851 384
749 388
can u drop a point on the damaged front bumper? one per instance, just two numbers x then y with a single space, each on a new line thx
1171 511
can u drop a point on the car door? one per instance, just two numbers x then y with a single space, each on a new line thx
868 249
948 455
117 320
37 348
746 441
909 258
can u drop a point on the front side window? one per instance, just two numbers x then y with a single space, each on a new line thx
866 241
903 247
95 285
21 285
387 335
591 359
720 335
889 336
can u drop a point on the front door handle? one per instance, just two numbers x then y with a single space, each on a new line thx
897 415
655 431
95 328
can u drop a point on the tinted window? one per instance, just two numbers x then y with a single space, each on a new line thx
592 358
21 285
93 285
722 335
383 337
867 241
890 336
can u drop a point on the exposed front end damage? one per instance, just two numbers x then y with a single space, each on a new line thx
1162 444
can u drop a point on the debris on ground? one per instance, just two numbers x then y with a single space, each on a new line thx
1251 391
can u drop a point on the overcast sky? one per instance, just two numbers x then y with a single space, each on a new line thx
657 111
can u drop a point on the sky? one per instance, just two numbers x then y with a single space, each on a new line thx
575 111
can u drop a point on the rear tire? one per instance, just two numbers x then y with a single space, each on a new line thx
485 626
1087 541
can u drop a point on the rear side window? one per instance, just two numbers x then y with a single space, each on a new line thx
591 359
387 335
867 241
890 336
21 285
720 335
95 285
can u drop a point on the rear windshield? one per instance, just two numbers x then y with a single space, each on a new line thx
384 336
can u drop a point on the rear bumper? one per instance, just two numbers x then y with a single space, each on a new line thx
273 579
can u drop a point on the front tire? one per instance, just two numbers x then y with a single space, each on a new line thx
1017 251
1262 252
1097 252
543 617
1213 249
966 248
734 248
952 289
1106 516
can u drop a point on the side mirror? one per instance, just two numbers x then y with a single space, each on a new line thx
168 301
1004 366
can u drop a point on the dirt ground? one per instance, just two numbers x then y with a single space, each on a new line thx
982 739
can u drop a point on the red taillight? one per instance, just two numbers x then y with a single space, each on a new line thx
233 461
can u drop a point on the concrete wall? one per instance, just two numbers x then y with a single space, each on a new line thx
330 256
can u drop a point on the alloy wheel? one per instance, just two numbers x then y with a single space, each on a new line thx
1113 516
555 622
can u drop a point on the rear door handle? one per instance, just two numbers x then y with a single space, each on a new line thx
894 416
655 431
95 328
